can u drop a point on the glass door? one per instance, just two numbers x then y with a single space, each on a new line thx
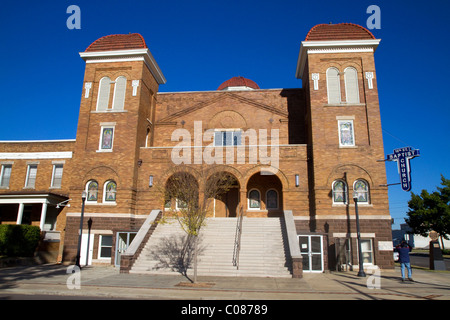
311 249
123 241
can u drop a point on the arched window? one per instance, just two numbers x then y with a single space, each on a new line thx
272 199
119 93
103 94
361 191
333 86
351 85
92 191
110 192
254 199
339 189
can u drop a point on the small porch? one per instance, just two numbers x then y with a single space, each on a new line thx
38 209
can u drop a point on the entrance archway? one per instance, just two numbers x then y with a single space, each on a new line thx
264 195
226 205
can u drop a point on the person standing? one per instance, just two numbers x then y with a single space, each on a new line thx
403 257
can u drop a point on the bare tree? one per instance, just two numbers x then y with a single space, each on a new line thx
193 193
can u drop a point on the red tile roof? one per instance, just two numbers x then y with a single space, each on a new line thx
118 42
340 31
238 82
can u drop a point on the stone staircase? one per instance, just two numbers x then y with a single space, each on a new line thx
262 252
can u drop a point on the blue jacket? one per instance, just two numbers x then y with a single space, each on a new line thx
403 253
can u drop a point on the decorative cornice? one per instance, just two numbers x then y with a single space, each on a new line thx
336 46
126 55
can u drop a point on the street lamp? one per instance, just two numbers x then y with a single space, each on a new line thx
83 199
358 234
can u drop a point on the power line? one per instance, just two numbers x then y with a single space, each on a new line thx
396 137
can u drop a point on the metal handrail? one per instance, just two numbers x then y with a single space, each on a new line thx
237 239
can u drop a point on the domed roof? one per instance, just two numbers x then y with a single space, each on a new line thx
241 82
118 42
340 31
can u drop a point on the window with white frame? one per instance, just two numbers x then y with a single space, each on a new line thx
351 85
5 175
104 87
339 190
92 191
109 192
346 133
361 190
106 142
254 200
367 251
119 93
227 137
31 176
272 199
333 86
57 175
167 204
180 204
105 247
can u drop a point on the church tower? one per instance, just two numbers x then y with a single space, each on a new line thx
116 116
337 68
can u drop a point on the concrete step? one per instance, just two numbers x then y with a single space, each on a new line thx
262 249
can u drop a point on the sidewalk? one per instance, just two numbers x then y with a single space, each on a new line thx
107 282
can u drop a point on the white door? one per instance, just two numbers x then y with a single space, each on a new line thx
87 240
311 249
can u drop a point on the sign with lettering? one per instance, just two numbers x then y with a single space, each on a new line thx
402 157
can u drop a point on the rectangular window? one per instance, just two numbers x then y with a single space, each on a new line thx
105 247
107 138
5 175
106 142
57 175
346 133
31 176
227 138
367 251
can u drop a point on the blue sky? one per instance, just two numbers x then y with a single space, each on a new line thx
200 44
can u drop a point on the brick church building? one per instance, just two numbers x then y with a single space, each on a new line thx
315 149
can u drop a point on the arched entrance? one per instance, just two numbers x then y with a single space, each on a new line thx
226 204
264 195
181 190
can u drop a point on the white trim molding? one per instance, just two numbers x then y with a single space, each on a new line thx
87 89
135 84
315 78
35 155
343 217
369 77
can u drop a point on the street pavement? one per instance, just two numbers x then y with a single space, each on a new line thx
107 283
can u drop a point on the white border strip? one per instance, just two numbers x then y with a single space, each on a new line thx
35 141
108 215
35 155
343 217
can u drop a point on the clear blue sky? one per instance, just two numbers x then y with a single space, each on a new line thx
200 44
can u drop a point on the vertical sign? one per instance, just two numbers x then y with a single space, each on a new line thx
402 157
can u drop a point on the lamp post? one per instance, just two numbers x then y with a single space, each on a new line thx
358 234
83 199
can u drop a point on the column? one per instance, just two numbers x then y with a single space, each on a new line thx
43 215
20 213
243 200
